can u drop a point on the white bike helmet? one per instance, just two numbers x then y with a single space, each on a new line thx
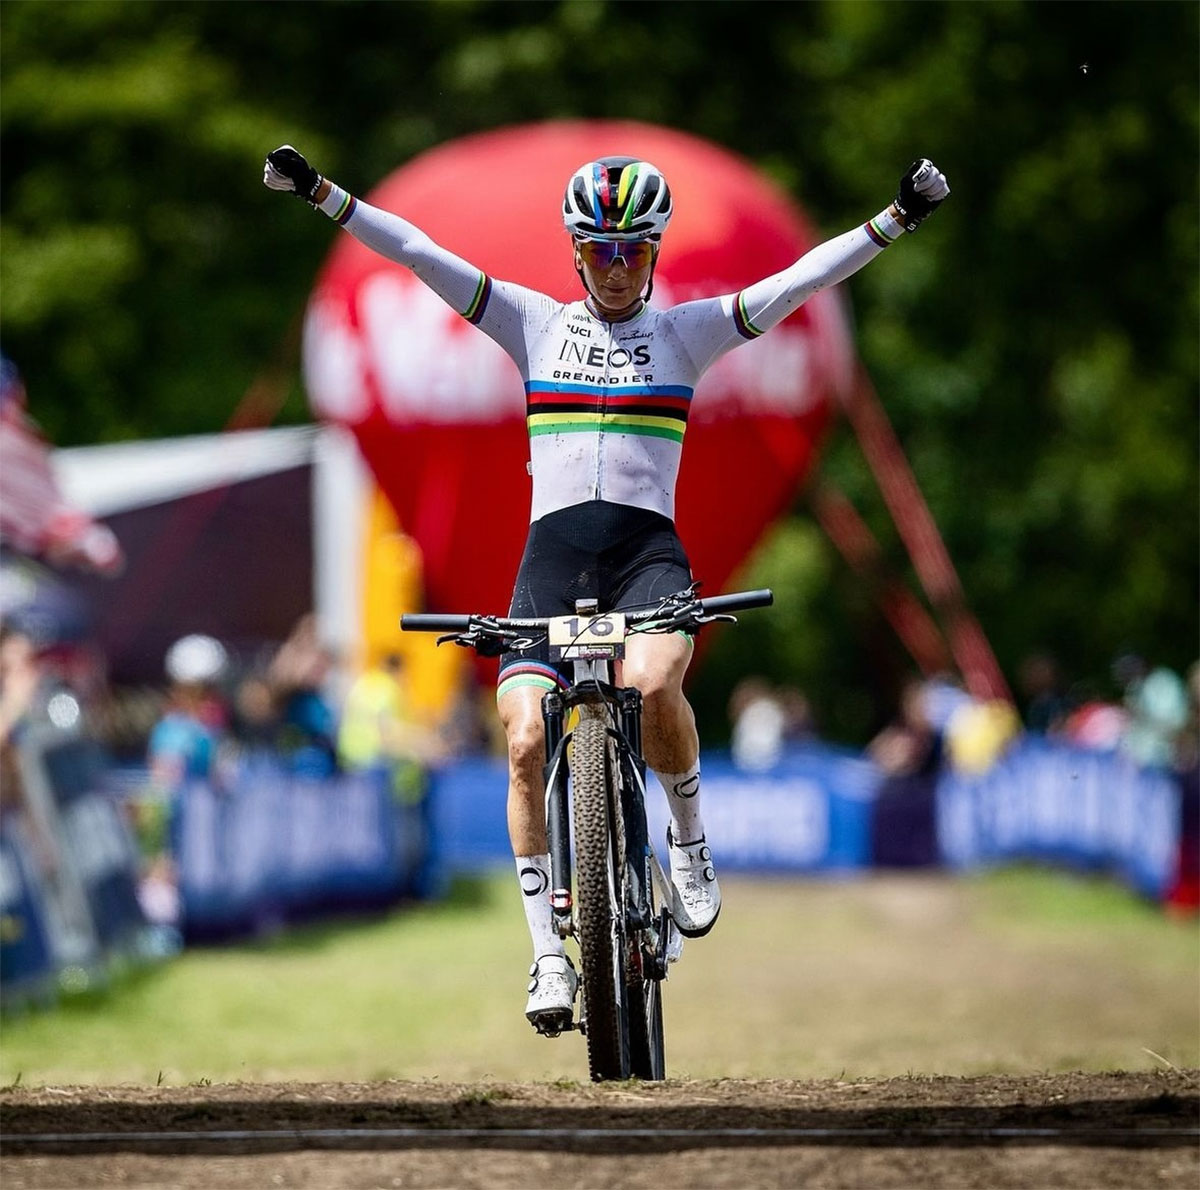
617 198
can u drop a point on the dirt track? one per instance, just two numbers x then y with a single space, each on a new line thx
1067 1130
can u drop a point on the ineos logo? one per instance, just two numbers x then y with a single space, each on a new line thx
534 882
596 357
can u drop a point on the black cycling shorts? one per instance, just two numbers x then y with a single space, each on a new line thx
622 556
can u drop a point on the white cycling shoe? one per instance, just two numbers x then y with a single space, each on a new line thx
695 893
552 987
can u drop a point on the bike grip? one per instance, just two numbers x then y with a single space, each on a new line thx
737 601
433 622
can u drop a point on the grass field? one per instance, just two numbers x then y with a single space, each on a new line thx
1012 972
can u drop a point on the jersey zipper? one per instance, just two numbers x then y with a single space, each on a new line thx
601 458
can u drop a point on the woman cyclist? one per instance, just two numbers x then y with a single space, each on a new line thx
605 433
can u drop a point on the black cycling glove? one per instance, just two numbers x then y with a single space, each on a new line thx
922 190
285 164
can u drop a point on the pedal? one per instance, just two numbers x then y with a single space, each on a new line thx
551 1024
670 940
674 948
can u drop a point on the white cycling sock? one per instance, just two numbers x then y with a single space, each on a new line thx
533 871
683 800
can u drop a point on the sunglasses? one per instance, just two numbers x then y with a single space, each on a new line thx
601 254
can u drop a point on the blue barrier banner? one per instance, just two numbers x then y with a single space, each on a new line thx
27 962
470 816
1048 801
104 853
95 915
810 812
277 845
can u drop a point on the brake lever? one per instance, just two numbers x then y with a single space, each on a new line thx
691 615
488 644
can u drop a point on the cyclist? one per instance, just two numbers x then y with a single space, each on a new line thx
606 427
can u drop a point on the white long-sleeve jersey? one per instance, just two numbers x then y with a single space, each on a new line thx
607 402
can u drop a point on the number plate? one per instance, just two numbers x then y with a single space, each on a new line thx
587 638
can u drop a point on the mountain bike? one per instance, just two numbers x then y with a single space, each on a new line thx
618 907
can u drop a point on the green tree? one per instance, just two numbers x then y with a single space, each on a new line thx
1036 346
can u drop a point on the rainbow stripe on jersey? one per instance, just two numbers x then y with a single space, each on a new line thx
647 410
345 210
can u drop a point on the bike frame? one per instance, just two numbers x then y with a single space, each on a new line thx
593 694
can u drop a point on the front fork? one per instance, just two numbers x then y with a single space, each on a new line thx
558 830
628 702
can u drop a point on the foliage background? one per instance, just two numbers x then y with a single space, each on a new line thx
1036 346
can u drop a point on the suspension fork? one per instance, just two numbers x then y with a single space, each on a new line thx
633 808
558 831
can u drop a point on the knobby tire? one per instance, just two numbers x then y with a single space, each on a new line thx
601 920
646 1040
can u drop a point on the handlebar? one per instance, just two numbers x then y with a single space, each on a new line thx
737 601
677 611
434 622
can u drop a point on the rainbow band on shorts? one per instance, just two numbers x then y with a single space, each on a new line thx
529 673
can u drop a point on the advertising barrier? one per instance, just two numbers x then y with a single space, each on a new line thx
269 847
1049 802
820 809
810 812
275 847
68 874
27 961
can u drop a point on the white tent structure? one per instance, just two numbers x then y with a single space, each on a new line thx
235 534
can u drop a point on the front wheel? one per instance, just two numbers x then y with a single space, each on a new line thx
599 865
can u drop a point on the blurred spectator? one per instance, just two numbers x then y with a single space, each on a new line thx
20 678
1045 697
798 723
909 752
938 723
30 697
942 697
1184 896
184 746
183 743
910 744
471 726
1187 749
35 519
307 738
378 729
1156 705
1094 722
979 732
256 722
759 722
21 683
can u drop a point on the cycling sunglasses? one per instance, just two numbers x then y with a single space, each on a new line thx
600 254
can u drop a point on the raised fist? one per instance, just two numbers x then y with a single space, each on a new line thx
286 169
922 190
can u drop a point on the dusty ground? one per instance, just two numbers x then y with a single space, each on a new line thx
1064 1130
